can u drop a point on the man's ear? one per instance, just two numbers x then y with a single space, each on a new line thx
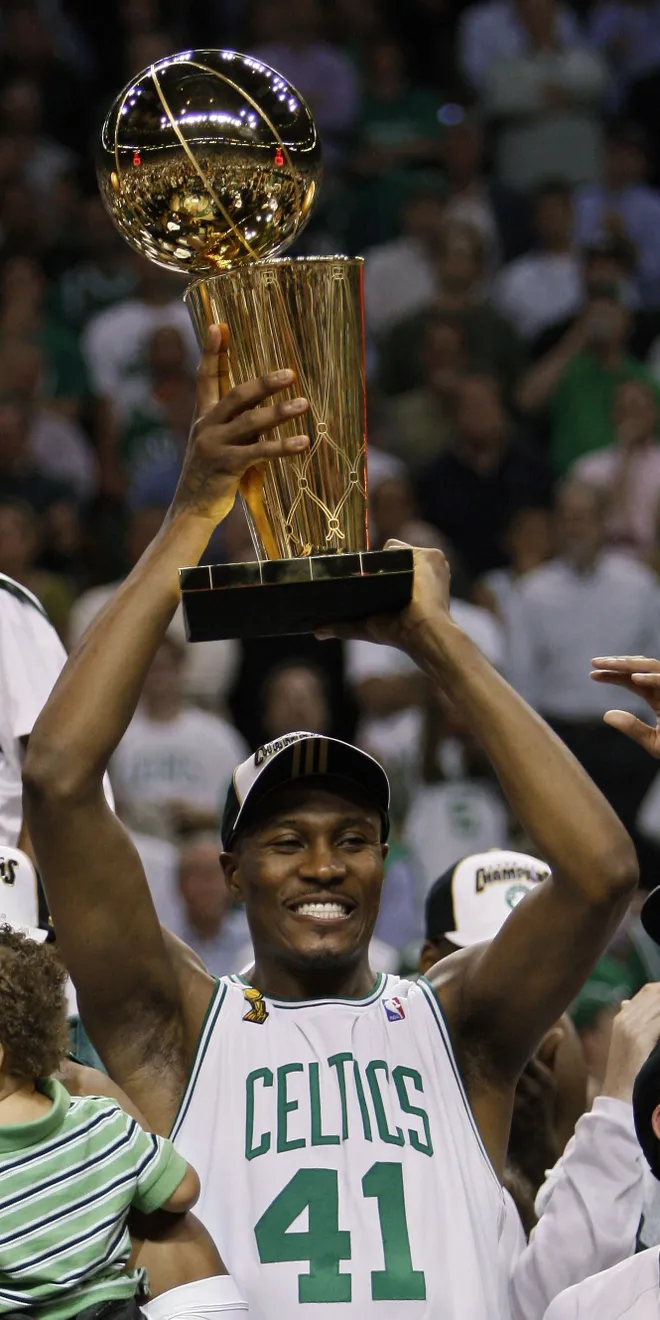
384 850
230 870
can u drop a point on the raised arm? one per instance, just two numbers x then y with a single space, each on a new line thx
522 982
513 990
143 1024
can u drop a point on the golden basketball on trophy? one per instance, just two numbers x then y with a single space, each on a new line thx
210 164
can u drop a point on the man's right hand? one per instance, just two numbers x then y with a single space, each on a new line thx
635 1032
227 434
641 676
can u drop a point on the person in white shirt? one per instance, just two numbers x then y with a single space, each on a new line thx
401 277
549 93
172 768
493 30
545 285
590 1204
585 602
593 1201
31 658
631 1289
114 341
528 544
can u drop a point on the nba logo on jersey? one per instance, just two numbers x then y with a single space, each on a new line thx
393 1010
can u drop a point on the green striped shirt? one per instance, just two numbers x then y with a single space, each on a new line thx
67 1183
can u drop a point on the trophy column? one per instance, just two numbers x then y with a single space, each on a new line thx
307 515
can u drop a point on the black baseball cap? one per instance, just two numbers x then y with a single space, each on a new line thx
646 1098
299 756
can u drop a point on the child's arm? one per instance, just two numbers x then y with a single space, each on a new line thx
164 1180
185 1195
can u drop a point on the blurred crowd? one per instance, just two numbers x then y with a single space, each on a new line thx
497 165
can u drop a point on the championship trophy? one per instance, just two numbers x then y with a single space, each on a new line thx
210 164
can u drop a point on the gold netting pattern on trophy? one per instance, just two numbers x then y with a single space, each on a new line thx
305 314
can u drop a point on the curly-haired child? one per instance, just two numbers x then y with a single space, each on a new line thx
72 1168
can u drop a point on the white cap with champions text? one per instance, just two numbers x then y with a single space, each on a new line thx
471 901
19 894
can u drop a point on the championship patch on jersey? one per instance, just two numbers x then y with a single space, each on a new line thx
257 1011
394 1010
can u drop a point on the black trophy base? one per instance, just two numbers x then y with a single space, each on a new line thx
280 596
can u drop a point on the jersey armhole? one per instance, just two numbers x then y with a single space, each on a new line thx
210 1018
441 1023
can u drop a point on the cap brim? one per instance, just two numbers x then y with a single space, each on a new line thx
650 915
463 941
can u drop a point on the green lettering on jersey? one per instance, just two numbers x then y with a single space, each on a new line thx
398 1282
364 1112
264 1075
318 1138
324 1244
394 1138
285 1107
337 1061
399 1076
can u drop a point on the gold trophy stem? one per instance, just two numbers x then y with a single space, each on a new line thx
306 314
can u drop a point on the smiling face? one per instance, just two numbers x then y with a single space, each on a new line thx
309 868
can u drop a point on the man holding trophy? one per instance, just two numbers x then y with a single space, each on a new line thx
349 1128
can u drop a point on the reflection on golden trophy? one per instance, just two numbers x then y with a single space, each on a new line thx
210 163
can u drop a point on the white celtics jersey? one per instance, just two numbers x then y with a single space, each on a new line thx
341 1169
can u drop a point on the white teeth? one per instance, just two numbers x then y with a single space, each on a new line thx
327 911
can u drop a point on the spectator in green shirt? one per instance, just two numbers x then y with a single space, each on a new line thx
576 382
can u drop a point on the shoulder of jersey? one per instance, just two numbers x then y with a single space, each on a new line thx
11 589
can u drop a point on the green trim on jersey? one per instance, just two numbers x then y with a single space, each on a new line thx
374 994
210 1018
441 1021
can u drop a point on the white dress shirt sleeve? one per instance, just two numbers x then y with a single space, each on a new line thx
31 660
589 1210
627 1291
